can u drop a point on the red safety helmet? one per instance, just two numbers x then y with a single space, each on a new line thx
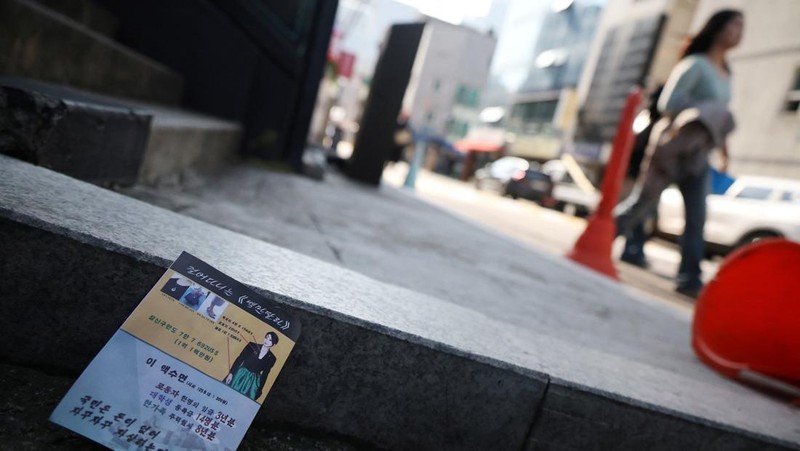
747 320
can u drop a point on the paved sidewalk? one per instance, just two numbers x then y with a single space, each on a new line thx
544 229
393 237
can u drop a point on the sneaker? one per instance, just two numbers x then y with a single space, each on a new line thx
635 261
691 291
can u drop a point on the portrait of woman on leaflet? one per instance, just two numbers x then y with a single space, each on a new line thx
250 370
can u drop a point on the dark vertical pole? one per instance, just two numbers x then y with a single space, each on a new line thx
309 85
378 123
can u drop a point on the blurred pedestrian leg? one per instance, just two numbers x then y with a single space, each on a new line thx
633 252
694 188
681 156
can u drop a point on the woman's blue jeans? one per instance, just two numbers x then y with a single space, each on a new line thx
675 160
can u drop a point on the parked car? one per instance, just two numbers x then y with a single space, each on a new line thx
752 208
495 175
531 184
573 193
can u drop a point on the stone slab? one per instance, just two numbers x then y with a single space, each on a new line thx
342 379
181 140
350 311
379 386
104 140
575 419
99 143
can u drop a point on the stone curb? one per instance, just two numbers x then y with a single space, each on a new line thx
381 364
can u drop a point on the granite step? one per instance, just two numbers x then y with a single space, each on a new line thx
377 364
40 43
183 140
101 143
86 12
106 140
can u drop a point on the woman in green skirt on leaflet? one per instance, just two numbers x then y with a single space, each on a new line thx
249 371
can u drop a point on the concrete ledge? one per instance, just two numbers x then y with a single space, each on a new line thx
379 386
341 379
39 43
383 365
105 140
180 140
575 419
96 142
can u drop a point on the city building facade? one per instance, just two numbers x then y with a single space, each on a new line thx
449 74
637 44
359 30
540 59
450 71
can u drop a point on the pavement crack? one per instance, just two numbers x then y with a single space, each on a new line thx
181 208
337 253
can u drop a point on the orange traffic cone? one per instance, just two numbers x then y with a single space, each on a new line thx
593 248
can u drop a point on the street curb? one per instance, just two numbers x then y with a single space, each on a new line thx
384 365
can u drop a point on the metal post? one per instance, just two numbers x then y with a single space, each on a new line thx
416 162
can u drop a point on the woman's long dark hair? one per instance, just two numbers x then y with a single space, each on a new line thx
703 40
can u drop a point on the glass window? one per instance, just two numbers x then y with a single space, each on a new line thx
463 129
291 21
790 196
535 111
793 96
755 192
457 128
467 96
529 117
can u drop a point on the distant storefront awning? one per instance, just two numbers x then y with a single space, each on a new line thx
478 145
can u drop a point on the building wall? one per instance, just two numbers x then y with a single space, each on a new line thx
562 46
450 58
631 35
615 13
515 50
680 15
541 53
765 67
